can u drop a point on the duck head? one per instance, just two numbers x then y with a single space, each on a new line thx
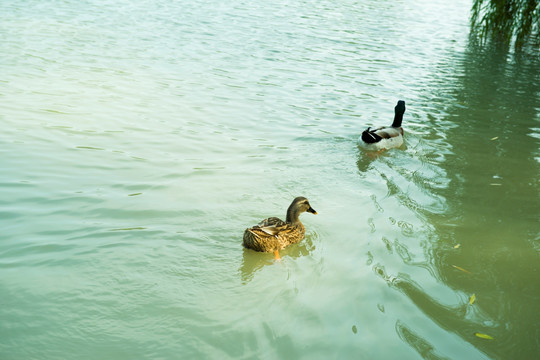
298 206
399 110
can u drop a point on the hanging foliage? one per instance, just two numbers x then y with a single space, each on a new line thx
506 22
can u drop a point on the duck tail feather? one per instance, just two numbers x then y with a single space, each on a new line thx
369 136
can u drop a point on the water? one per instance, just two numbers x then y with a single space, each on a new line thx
139 139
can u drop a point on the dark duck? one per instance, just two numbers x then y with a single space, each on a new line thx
385 137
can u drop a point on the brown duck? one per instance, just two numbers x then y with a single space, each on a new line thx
273 234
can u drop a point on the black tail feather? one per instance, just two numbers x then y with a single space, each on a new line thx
370 137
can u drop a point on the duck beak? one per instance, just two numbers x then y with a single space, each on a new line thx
311 210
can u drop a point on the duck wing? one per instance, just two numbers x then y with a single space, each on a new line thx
271 226
269 230
389 132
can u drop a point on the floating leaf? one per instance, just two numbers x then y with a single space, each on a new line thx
472 299
129 229
462 269
457 246
484 336
494 138
89 148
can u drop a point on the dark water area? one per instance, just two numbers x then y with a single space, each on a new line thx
495 167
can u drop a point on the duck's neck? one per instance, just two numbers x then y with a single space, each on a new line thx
293 215
398 118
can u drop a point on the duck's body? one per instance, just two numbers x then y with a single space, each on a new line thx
385 137
273 234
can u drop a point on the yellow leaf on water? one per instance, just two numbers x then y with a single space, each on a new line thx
457 246
472 299
494 138
484 336
462 269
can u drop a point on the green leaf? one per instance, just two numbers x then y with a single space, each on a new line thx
483 336
462 269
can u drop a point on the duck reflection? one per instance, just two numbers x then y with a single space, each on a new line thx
418 343
254 261
364 160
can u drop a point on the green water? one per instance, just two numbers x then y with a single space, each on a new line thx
140 138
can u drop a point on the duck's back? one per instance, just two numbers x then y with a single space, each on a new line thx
272 221
382 138
272 234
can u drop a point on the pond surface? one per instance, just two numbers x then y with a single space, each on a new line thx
140 138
